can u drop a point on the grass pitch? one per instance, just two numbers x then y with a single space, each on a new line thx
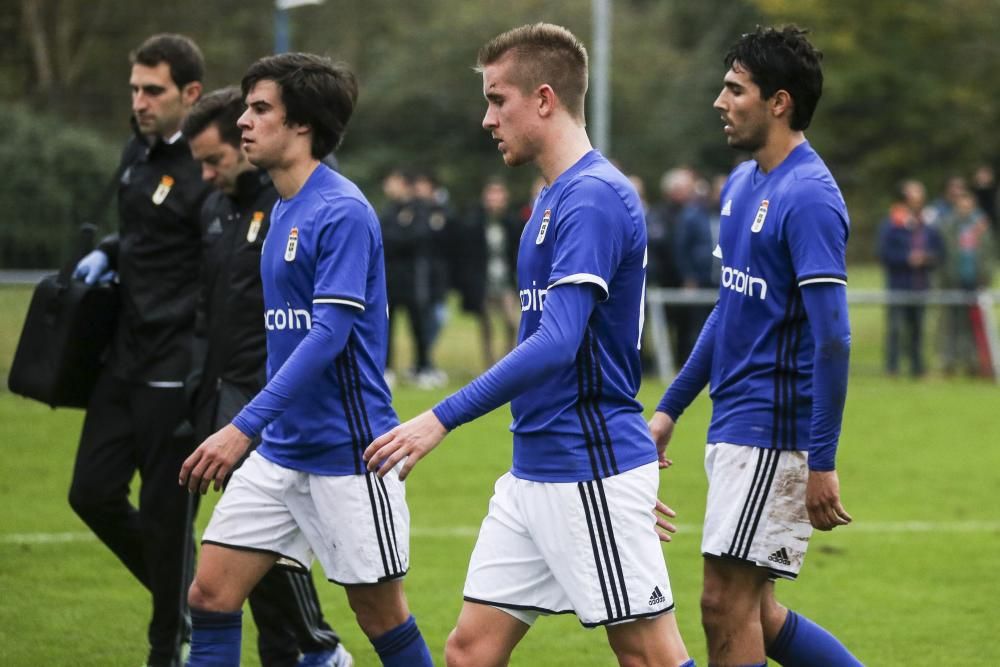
911 582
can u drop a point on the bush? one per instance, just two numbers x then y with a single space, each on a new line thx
53 177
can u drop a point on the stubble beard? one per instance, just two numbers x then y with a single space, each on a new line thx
755 139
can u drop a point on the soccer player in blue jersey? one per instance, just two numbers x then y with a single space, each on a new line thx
774 352
304 492
570 528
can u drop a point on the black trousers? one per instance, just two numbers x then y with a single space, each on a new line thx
905 333
131 426
284 604
420 315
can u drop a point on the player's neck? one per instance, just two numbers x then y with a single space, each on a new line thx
289 179
779 145
562 150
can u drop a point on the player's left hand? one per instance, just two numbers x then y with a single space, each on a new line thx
412 440
213 460
823 501
664 529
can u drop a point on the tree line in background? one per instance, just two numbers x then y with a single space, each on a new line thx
910 90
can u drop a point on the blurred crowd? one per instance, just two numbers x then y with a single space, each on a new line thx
946 243
434 247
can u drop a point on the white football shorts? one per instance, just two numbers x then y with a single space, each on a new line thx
588 548
756 510
356 526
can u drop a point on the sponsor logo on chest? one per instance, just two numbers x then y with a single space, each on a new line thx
280 319
743 283
533 298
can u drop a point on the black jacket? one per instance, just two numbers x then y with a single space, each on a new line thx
230 323
406 239
474 255
157 255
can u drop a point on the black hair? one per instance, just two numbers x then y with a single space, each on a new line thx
315 91
221 108
782 59
180 53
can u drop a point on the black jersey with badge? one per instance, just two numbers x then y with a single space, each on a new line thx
157 255
231 312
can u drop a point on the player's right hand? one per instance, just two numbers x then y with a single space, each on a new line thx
213 460
409 442
823 504
661 427
92 267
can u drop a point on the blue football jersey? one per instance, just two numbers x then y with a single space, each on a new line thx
779 232
325 247
584 422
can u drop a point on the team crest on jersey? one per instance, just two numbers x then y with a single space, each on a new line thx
163 189
254 229
293 244
545 226
758 221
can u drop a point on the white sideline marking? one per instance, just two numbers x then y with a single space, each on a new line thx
447 532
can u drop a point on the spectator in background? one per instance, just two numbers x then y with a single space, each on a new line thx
433 209
405 239
660 223
984 186
437 256
693 259
943 205
536 189
909 250
661 270
968 266
486 266
715 207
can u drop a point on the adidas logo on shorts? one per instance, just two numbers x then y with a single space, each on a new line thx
780 556
657 597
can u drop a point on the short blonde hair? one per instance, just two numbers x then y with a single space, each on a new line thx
545 54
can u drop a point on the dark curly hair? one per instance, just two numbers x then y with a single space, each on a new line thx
782 59
315 91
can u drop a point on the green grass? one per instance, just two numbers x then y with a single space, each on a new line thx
911 582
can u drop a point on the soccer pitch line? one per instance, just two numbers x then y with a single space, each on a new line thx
453 532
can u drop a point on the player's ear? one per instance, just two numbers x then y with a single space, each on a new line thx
546 100
781 104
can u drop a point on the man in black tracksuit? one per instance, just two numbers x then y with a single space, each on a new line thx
137 415
406 242
230 354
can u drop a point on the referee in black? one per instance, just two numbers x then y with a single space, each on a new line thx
137 415
230 355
